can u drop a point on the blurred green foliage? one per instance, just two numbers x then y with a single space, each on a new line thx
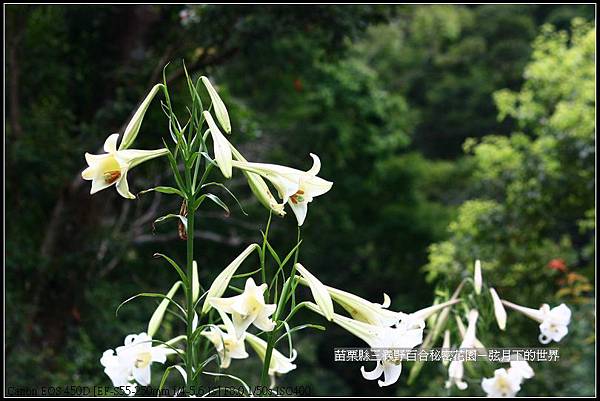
536 191
385 95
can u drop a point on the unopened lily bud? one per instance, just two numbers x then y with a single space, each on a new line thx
263 194
218 106
218 287
478 280
319 292
195 282
499 310
159 313
259 187
279 363
134 125
221 146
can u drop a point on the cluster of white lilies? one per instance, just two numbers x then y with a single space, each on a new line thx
373 323
553 325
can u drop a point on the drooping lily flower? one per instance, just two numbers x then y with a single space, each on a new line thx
296 187
553 322
319 291
221 146
377 314
456 368
228 345
219 285
503 384
477 277
499 310
132 361
279 363
112 167
363 310
247 308
380 337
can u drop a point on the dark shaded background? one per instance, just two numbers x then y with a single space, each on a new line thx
386 95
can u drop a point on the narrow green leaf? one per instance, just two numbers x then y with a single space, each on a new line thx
218 201
183 219
164 190
148 295
175 266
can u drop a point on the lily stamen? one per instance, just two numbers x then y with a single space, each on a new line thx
297 197
112 176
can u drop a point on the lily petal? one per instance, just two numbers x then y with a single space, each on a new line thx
300 210
123 187
110 145
88 173
316 167
391 372
374 374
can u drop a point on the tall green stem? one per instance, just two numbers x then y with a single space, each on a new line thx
189 355
264 377
265 372
285 295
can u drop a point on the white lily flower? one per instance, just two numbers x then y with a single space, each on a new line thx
296 187
377 314
132 361
219 285
228 345
522 369
553 322
456 368
247 308
112 167
499 310
380 337
279 364
221 146
218 105
319 291
477 277
503 384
